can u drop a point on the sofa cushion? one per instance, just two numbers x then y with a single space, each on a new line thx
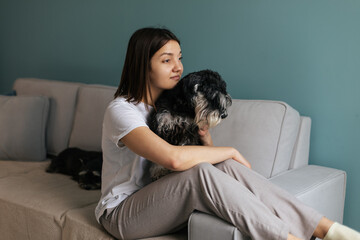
11 168
91 105
321 188
23 127
37 202
199 223
81 224
62 97
265 132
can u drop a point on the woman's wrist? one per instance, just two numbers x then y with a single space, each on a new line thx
235 153
240 158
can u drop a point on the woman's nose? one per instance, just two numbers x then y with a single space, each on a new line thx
178 66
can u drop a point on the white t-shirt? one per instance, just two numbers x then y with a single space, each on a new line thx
124 172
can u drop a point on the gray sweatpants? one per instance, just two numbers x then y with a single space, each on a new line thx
228 190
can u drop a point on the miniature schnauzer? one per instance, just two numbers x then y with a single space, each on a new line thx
83 166
200 99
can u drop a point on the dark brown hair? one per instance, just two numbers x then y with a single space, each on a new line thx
143 44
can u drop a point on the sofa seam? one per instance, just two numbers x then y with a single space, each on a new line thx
45 123
74 113
279 138
295 149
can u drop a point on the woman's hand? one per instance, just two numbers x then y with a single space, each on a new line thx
205 136
240 158
206 139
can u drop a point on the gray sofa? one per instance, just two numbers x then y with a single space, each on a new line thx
48 116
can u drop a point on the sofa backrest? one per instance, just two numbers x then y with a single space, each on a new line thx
62 96
76 111
91 104
270 134
265 132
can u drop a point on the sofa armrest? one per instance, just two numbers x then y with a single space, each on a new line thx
205 226
319 187
300 155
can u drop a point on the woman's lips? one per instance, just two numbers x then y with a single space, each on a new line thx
177 77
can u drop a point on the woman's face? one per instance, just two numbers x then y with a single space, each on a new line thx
166 68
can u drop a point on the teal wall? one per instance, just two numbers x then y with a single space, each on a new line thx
306 53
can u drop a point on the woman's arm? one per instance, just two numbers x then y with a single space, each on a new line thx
147 144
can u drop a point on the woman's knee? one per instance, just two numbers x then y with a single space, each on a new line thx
195 173
191 175
203 167
226 164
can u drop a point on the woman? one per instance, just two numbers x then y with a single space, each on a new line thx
204 179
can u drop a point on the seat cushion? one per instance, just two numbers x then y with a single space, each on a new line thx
11 168
81 224
321 188
265 132
38 202
205 226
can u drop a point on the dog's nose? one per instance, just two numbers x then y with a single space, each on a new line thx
223 115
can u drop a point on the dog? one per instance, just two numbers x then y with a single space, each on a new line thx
83 166
199 99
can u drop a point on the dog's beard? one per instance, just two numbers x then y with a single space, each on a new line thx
205 116
168 122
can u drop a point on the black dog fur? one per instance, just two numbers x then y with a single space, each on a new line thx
199 99
83 166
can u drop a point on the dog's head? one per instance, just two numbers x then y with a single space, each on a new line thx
207 91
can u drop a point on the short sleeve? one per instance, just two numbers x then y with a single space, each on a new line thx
121 118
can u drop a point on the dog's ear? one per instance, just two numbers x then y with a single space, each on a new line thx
191 85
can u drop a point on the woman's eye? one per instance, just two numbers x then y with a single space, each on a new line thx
166 60
180 58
